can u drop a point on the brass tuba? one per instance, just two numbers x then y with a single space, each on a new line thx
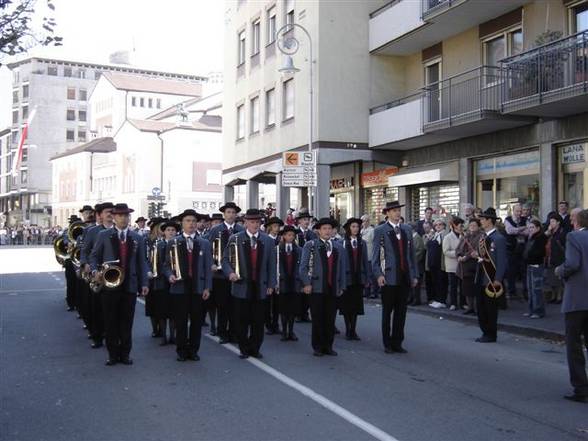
74 234
234 257
175 260
217 251
110 276
60 249
494 289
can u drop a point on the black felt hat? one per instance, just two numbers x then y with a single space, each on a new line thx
230 205
122 209
253 214
391 206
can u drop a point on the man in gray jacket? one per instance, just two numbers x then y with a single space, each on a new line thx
396 274
574 271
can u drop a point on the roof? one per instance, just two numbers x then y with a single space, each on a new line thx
208 123
107 66
5 131
173 110
98 145
141 83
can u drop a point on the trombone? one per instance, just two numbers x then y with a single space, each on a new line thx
234 257
174 258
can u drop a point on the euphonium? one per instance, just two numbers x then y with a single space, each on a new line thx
110 276
175 260
217 251
494 289
60 249
75 231
234 257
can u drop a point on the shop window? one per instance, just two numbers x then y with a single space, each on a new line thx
443 199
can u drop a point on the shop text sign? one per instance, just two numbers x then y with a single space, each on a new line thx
572 153
378 178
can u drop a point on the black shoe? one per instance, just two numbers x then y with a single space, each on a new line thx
69 309
317 354
205 324
243 356
257 355
292 337
577 398
485 339
469 312
164 342
355 337
181 358
330 352
399 349
213 332
388 350
223 340
96 345
110 362
194 357
269 332
337 331
127 361
285 337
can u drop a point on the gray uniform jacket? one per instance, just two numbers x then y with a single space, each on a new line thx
317 277
385 236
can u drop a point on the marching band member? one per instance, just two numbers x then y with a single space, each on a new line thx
358 276
188 259
289 285
394 267
215 219
249 262
303 235
272 229
221 286
83 290
153 299
201 225
489 276
140 228
127 248
70 271
323 273
96 318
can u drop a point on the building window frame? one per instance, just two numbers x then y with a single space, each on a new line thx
271 25
70 135
288 93
572 8
71 93
83 95
70 115
505 34
254 115
240 113
255 37
270 107
241 47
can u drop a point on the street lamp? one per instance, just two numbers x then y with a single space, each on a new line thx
288 45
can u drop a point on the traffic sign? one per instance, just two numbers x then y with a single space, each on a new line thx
156 191
304 176
298 159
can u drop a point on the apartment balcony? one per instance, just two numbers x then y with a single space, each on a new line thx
548 81
403 27
467 104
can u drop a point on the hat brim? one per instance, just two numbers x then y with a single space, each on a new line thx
333 224
386 209
164 225
235 207
252 217
127 211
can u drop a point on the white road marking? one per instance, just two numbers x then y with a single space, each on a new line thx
4 291
308 392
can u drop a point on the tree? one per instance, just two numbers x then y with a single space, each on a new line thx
22 29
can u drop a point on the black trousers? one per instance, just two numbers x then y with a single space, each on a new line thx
222 295
249 317
83 300
96 317
394 301
186 308
119 311
273 313
70 284
487 313
576 326
323 307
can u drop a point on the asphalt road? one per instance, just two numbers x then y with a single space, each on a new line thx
54 387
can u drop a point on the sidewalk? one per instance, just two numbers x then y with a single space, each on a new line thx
511 320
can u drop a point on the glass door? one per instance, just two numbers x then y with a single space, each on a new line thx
433 87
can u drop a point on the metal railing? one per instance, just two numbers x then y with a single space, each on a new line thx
550 72
429 7
383 8
397 102
462 98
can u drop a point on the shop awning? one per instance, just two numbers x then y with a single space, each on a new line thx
448 172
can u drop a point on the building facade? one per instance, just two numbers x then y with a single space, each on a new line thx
59 92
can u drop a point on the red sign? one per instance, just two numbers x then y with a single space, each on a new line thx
377 178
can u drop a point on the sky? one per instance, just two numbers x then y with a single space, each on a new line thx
183 36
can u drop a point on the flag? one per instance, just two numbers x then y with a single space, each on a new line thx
23 137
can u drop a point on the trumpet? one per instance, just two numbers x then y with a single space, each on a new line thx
234 257
217 251
175 260
153 259
110 276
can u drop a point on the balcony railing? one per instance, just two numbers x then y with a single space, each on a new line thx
463 98
429 7
552 72
397 102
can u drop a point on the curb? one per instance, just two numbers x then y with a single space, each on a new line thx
511 328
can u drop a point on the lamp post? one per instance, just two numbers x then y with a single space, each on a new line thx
288 45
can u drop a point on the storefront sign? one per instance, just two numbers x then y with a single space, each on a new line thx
571 154
341 184
377 178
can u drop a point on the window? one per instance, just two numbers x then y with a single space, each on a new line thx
71 115
25 154
82 115
15 117
67 71
289 11
241 48
71 93
158 103
142 102
15 137
254 124
213 177
15 96
150 101
240 121
25 91
81 73
288 99
270 107
70 135
24 175
503 45
580 18
81 135
25 112
52 70
255 37
97 75
83 95
271 25
134 101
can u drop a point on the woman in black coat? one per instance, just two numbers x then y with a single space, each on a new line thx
534 257
358 277
289 284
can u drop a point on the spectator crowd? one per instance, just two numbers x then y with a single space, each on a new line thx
23 234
